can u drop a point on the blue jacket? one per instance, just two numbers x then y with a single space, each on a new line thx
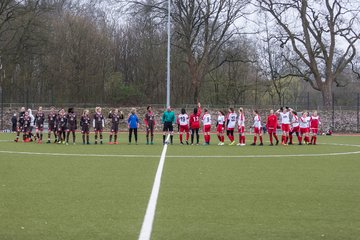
133 121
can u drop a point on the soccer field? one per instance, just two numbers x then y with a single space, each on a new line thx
83 192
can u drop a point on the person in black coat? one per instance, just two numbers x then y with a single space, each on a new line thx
14 122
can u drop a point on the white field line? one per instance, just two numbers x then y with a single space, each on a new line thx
189 156
146 228
81 154
270 156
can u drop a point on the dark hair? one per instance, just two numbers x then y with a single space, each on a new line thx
183 111
195 110
206 110
148 107
281 108
256 111
71 110
295 113
231 109
222 113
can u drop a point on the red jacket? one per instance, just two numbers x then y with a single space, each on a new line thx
272 122
195 119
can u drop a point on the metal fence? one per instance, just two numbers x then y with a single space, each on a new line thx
343 118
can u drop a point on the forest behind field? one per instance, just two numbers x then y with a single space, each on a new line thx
231 52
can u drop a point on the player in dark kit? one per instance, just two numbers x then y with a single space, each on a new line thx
52 124
61 123
115 120
85 126
39 123
71 125
149 121
26 127
98 124
20 124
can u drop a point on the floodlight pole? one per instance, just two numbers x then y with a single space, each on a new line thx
168 56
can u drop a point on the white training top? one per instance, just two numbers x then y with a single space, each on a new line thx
232 120
285 117
257 121
206 119
183 119
241 120
304 122
221 120
295 121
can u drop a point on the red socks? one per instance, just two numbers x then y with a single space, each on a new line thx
276 137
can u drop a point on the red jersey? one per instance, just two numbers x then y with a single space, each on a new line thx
195 119
314 122
272 122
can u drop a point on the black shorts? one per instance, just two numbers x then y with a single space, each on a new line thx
115 128
98 127
85 129
40 127
72 128
150 129
61 129
51 127
168 127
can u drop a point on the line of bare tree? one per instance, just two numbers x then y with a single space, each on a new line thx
223 51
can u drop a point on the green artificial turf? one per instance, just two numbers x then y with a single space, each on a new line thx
207 192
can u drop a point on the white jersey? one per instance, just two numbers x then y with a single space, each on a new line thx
221 120
206 119
241 120
257 121
183 119
232 120
285 118
295 121
304 122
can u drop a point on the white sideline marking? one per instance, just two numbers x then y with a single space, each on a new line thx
80 154
146 228
271 156
197 156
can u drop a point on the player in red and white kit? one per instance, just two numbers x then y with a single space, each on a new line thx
314 127
195 124
241 127
285 123
206 119
257 128
271 126
295 128
304 122
183 126
230 125
220 127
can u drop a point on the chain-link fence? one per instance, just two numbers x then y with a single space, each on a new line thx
341 119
